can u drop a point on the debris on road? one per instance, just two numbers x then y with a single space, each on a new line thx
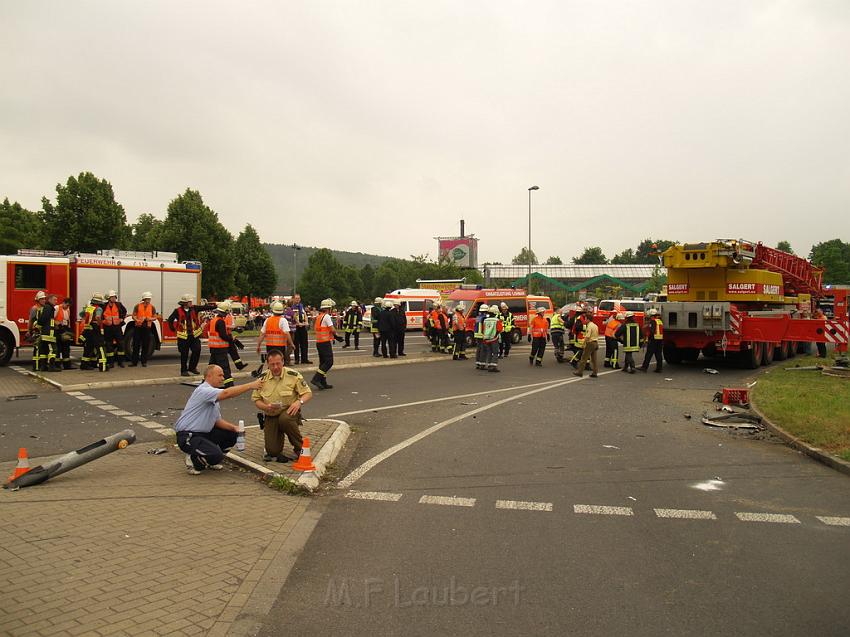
709 485
23 397
158 451
804 368
710 370
687 416
610 447
668 379
469 403
733 420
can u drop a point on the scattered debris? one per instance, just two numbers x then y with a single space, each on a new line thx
631 498
35 437
710 370
23 397
733 420
158 451
355 392
805 368
709 485
668 379
469 403
687 416
610 447
752 384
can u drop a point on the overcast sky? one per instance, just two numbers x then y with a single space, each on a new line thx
374 126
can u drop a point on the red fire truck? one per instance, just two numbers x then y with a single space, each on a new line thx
519 303
79 276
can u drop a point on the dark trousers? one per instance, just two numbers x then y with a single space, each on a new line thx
299 339
113 343
356 338
141 343
653 348
45 352
399 340
628 360
459 350
326 358
63 346
190 353
218 356
94 356
208 448
612 351
276 427
376 343
388 344
538 346
504 344
233 352
558 345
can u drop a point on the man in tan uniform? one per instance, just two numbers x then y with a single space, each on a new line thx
280 400
591 344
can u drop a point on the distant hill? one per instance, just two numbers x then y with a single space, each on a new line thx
282 257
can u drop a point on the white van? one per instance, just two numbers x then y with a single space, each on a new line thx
414 302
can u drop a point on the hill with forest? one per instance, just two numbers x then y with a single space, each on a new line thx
282 256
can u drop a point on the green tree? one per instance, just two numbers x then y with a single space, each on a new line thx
386 280
367 280
255 272
86 216
354 282
554 260
785 246
19 228
626 257
193 231
834 257
146 233
525 257
324 277
649 250
591 256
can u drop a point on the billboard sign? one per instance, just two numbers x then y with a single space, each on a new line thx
461 251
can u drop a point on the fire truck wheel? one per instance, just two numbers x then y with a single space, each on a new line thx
752 357
672 354
781 352
767 353
6 349
516 336
792 349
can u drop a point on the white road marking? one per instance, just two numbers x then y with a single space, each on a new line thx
709 485
778 518
150 425
833 521
78 394
602 510
370 464
108 407
374 495
135 418
121 412
523 506
441 399
97 402
165 432
447 500
686 514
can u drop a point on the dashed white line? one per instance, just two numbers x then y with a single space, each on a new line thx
135 418
685 514
108 407
86 397
374 495
165 432
150 425
121 412
833 521
76 393
778 518
97 402
602 510
520 505
447 500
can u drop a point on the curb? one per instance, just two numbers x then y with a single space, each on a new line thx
327 454
795 443
140 382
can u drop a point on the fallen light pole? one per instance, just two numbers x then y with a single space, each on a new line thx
74 459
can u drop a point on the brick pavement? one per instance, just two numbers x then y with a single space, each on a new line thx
130 544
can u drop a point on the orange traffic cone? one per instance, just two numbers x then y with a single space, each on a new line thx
23 464
305 460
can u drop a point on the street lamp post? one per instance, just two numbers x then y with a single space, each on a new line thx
295 249
528 280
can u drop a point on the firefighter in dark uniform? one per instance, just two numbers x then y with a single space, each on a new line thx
46 360
399 326
219 342
557 329
185 322
325 335
64 334
33 328
352 321
144 315
654 342
373 326
94 354
629 335
387 329
459 333
235 343
508 326
113 336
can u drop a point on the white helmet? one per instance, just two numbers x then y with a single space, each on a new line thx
620 316
222 306
484 308
111 293
97 297
460 307
652 312
388 302
355 304
40 295
327 304
630 314
503 305
494 309
378 300
147 295
187 298
277 307
541 309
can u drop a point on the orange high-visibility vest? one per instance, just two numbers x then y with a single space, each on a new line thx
59 315
215 340
110 314
539 327
323 334
458 322
275 336
143 315
435 319
228 322
611 328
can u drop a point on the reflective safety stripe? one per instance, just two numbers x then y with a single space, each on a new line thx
274 335
538 327
215 340
508 321
632 338
323 334
658 329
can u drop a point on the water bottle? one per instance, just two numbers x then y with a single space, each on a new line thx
240 437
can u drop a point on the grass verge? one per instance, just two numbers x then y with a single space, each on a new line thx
285 485
813 407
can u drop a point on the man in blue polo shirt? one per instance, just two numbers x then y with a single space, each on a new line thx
201 431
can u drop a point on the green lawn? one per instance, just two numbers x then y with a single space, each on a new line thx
807 404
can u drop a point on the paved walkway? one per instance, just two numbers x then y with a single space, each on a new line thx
130 544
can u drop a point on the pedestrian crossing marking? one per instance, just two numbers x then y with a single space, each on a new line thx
777 518
523 506
685 514
447 500
602 510
374 495
833 521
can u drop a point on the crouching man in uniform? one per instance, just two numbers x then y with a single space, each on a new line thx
280 400
202 433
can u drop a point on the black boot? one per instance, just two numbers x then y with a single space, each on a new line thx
317 381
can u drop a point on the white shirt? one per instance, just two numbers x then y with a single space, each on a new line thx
284 325
327 321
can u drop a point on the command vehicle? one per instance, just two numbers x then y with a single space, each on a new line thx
744 299
78 276
519 303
